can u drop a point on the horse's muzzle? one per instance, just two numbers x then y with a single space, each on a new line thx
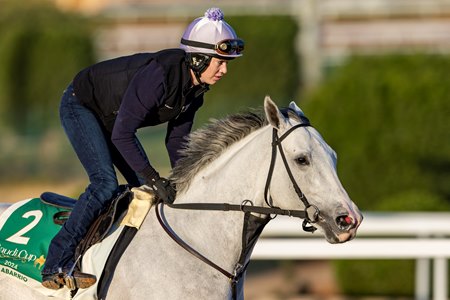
341 227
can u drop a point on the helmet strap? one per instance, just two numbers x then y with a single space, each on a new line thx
198 62
197 76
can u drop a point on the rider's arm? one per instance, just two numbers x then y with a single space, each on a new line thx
179 128
142 98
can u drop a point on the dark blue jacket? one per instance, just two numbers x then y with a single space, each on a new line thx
147 89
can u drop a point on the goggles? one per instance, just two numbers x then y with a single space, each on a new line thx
225 47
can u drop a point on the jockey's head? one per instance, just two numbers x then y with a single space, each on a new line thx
207 37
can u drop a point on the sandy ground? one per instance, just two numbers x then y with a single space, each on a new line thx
301 280
13 192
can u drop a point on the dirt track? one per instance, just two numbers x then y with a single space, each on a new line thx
13 192
301 280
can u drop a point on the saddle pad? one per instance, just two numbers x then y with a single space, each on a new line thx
143 200
26 229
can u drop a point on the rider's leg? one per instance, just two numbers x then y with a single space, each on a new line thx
89 142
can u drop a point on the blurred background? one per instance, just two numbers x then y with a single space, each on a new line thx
372 76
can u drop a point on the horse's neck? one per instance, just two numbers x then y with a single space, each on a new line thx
238 174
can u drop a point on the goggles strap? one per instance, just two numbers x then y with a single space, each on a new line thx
198 44
216 47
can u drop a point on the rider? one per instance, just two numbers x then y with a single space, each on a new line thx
106 104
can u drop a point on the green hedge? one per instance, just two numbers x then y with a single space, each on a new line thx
387 118
41 49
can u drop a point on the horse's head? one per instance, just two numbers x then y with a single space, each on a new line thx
313 181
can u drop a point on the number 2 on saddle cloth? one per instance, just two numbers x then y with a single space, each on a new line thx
28 226
26 229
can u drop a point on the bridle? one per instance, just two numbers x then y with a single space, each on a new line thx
311 211
310 214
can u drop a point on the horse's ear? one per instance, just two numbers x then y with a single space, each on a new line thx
273 114
297 109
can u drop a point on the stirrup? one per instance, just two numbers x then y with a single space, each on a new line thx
77 280
70 282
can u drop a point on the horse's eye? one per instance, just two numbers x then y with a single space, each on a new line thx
302 160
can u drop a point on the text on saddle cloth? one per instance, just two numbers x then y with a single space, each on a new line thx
26 230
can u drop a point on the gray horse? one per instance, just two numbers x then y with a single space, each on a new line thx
259 165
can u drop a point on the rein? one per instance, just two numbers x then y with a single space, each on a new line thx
244 207
241 266
189 248
310 214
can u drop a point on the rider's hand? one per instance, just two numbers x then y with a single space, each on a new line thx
163 189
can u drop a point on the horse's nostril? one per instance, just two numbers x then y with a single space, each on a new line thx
344 222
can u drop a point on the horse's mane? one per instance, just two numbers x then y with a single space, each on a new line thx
206 144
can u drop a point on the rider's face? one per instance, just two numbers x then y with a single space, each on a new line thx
216 69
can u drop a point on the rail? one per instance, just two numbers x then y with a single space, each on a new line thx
420 236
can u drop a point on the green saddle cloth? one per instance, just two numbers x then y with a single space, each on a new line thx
26 229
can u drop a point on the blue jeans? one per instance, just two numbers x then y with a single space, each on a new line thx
98 156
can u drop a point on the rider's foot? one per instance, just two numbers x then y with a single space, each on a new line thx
77 280
53 281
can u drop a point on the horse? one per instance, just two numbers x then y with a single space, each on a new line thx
234 176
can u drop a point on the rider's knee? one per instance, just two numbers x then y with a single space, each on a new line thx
104 189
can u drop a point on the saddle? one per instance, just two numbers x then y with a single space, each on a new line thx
101 226
98 230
